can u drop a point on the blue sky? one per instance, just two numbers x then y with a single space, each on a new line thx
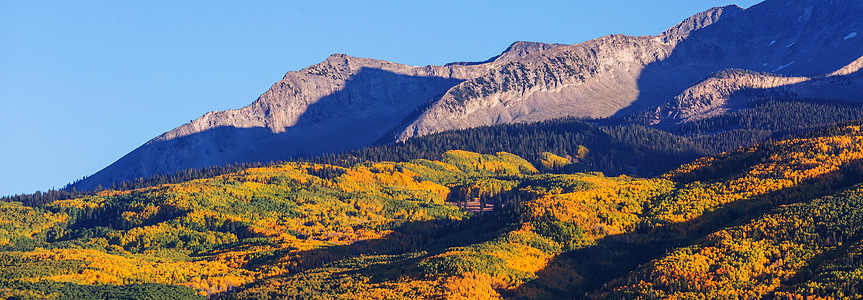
84 82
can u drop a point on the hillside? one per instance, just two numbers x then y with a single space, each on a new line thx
593 145
802 49
729 91
618 75
342 103
396 230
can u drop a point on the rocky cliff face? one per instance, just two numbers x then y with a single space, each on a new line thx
729 90
339 87
618 75
597 78
787 47
342 103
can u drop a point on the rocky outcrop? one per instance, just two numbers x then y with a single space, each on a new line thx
700 20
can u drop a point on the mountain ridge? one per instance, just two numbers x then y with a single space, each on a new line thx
719 93
345 102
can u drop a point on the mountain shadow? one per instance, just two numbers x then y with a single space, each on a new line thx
838 90
323 273
790 38
578 273
371 102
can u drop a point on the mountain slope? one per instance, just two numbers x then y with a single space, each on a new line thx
395 231
729 91
346 103
596 78
342 103
617 75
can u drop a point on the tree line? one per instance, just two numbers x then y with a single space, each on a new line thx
615 146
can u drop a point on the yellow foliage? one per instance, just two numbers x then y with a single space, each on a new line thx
103 268
473 286
550 161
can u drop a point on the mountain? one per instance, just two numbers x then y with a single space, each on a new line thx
618 75
346 103
342 103
597 78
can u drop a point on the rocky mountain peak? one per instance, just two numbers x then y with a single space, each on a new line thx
521 49
337 66
699 21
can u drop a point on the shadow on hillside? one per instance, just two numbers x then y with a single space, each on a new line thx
577 273
395 256
572 274
354 115
840 88
738 42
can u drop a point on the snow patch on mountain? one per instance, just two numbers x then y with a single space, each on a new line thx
783 66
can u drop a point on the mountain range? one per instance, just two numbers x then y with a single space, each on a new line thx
721 159
708 65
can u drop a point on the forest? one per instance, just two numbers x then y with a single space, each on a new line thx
780 219
613 146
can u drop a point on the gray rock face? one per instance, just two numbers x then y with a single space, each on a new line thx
597 78
729 90
342 103
346 102
618 75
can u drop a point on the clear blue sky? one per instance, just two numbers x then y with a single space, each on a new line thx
84 82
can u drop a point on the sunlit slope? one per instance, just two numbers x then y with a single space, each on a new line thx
305 230
794 251
794 211
204 233
221 233
775 220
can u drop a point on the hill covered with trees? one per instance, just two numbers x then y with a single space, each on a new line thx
776 220
612 146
